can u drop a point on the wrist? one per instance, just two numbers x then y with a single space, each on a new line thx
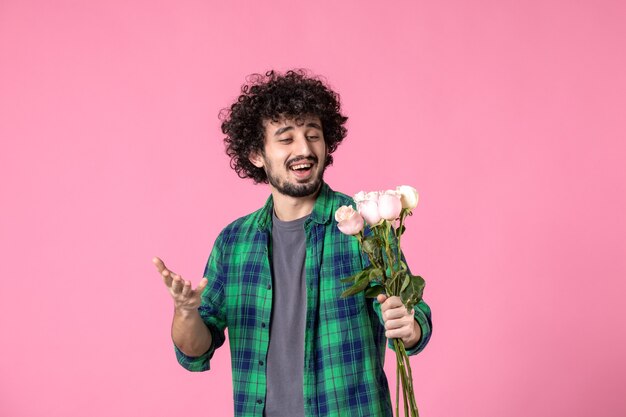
185 312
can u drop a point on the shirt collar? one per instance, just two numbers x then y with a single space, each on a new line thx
321 210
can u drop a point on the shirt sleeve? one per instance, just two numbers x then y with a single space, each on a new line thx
211 311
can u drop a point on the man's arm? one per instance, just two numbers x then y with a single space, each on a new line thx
189 332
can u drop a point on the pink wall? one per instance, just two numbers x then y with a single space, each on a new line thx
508 117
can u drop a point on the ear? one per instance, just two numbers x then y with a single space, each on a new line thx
256 159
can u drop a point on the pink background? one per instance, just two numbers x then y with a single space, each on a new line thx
508 116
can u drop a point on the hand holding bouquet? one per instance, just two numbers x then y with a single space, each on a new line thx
387 273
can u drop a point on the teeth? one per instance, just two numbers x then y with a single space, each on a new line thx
301 166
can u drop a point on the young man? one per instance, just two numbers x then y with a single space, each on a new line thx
273 276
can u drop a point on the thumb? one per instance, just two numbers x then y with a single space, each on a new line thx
381 298
202 285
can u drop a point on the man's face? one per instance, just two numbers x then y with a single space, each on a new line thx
294 156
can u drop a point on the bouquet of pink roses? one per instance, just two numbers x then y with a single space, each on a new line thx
387 273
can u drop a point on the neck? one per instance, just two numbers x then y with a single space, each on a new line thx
289 208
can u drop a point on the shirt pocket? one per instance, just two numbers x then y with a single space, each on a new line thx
332 305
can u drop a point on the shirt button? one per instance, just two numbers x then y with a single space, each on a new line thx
263 325
261 363
259 401
269 286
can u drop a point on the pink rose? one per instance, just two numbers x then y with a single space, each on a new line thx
367 206
349 221
343 213
389 205
369 210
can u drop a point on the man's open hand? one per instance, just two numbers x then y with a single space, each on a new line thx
399 323
185 298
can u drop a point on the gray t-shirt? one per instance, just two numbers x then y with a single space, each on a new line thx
285 356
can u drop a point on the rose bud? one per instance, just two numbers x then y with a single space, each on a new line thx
408 196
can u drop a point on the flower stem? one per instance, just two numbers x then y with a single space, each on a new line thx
406 403
406 378
410 381
395 289
397 387
402 217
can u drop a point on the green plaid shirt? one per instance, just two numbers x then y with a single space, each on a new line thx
344 346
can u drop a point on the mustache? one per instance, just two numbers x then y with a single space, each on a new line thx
312 159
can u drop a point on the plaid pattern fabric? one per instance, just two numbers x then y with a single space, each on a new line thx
344 338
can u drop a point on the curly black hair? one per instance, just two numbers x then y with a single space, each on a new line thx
270 97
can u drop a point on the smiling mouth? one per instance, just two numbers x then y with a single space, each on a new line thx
302 166
302 170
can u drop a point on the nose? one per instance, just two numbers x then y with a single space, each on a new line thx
303 146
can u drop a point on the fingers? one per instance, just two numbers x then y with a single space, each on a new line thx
395 313
181 286
397 319
406 329
177 284
390 303
182 289
393 302
166 274
159 263
167 277
399 322
171 279
186 288
202 285
403 332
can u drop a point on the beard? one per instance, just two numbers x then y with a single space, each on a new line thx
294 189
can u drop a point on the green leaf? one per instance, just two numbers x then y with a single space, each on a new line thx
371 243
372 246
357 276
413 292
398 276
372 292
360 285
405 283
351 278
375 273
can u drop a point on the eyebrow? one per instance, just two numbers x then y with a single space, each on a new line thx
286 128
